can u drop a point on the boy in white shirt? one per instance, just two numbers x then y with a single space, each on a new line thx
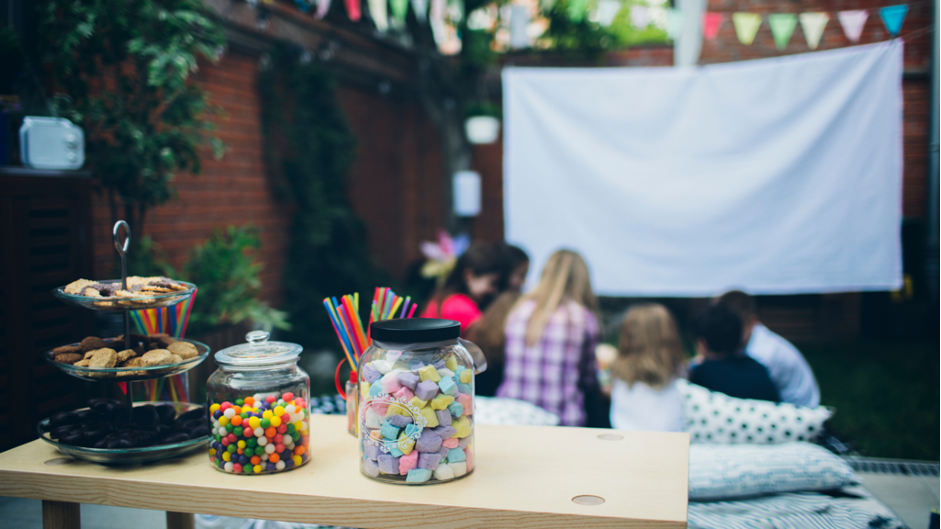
788 369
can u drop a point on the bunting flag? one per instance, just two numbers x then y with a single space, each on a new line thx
607 11
782 27
420 7
436 20
379 14
813 25
893 17
519 23
322 7
399 10
353 9
640 16
746 26
674 23
711 22
576 10
853 22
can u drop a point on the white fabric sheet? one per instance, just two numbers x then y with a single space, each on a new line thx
776 176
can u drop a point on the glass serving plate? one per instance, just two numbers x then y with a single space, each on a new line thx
128 456
131 374
148 301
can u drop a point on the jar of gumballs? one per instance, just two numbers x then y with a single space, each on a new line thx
259 407
416 409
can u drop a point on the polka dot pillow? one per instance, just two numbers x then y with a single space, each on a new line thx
715 418
491 410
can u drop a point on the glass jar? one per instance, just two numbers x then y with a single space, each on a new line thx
416 388
258 407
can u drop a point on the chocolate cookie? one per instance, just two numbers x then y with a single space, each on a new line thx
92 343
67 358
67 349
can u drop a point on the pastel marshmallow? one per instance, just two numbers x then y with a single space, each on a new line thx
459 468
445 372
381 404
371 468
466 441
390 384
447 385
382 366
371 450
465 388
411 430
428 442
451 363
403 394
418 475
426 390
443 452
469 454
372 419
408 462
388 464
456 409
406 444
429 373
466 376
456 455
439 364
443 472
395 452
445 432
451 442
371 374
390 431
441 401
467 402
407 379
429 461
430 417
444 417
463 427
400 421
364 388
375 389
418 403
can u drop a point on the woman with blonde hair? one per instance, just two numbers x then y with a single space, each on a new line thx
551 335
650 359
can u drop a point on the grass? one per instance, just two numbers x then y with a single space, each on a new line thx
886 395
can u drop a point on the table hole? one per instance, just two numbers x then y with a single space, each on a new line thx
59 461
588 500
610 437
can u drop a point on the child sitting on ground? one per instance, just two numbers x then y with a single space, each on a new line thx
725 367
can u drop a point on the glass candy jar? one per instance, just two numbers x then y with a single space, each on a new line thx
258 407
416 384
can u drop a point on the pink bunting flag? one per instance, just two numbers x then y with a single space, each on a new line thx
711 22
853 22
354 9
322 7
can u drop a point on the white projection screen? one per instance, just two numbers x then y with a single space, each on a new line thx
777 176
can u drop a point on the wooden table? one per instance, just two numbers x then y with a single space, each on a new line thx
526 476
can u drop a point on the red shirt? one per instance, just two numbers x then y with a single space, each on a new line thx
457 307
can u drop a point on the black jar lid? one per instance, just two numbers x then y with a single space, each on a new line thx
414 330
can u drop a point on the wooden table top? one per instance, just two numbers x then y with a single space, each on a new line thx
526 476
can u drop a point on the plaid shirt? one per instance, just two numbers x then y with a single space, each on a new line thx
554 373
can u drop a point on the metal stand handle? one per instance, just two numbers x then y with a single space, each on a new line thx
122 247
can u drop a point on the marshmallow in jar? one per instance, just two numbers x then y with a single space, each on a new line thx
416 384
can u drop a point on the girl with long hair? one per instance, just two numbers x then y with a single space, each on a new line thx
650 359
469 287
551 335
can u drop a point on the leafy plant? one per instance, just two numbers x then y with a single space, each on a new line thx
228 282
310 148
125 70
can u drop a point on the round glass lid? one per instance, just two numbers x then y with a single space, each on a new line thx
258 351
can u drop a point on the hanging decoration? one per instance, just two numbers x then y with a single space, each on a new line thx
711 22
640 16
379 13
519 23
399 10
420 7
354 9
813 25
442 256
322 7
893 17
853 22
746 26
576 10
607 11
782 27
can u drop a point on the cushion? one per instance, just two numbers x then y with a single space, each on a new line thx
736 471
712 417
491 410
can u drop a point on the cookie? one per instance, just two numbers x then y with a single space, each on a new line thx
126 354
67 358
67 349
157 357
133 362
185 350
166 341
91 293
103 358
175 359
92 343
81 363
75 288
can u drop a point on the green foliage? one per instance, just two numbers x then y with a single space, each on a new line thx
309 149
228 282
125 69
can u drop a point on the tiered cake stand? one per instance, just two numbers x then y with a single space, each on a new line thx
128 374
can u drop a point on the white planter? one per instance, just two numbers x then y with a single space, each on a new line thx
482 129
